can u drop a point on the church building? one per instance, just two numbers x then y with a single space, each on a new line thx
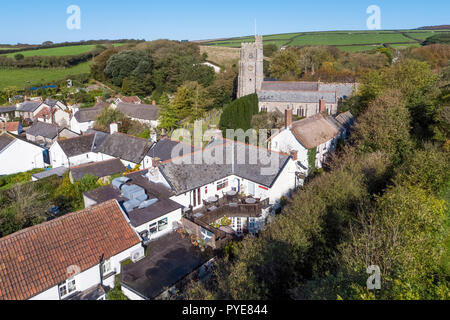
305 99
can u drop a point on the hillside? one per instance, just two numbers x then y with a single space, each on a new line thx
344 40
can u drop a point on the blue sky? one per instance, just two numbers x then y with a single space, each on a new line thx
37 21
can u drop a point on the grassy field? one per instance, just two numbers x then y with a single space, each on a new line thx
345 40
56 52
31 76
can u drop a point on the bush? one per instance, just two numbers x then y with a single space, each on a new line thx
239 113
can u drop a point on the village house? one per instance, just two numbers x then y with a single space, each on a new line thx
101 170
165 149
84 119
28 109
77 150
144 113
129 149
74 257
54 112
46 134
7 113
18 155
130 100
147 204
319 133
12 127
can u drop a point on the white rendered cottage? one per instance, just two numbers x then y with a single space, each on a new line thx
18 155
74 257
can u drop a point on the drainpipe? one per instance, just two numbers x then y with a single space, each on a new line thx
101 269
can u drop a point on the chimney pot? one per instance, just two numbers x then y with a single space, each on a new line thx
287 118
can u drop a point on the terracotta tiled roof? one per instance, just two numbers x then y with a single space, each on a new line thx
36 259
45 113
132 99
11 126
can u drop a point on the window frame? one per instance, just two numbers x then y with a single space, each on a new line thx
66 285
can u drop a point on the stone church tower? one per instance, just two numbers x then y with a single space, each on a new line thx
251 73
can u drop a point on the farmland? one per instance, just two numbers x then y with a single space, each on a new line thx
56 52
32 76
344 40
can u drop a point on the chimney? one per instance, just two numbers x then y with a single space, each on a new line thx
287 118
154 102
294 155
322 107
113 128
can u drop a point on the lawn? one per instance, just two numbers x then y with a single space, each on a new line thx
347 38
22 78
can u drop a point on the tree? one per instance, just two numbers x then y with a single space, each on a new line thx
107 117
19 57
285 65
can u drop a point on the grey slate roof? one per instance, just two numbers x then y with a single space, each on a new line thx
289 86
297 96
86 115
7 109
346 119
164 147
5 140
78 145
98 169
48 173
46 130
29 106
139 111
125 147
341 89
186 177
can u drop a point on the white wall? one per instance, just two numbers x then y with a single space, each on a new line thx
90 277
20 156
80 127
59 159
172 217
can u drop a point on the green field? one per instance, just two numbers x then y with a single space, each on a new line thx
57 52
31 76
345 40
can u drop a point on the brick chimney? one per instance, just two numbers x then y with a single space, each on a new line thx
287 118
322 107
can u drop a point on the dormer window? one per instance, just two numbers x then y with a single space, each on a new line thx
67 287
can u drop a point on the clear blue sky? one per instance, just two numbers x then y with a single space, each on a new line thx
37 21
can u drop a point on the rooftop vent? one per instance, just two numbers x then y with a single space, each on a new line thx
119 182
147 203
134 192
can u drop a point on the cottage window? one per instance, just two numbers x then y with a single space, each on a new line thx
163 224
107 267
153 228
222 184
67 287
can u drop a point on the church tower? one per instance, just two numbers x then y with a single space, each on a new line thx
251 73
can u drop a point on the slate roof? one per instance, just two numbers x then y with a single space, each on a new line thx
170 259
297 96
52 172
7 109
289 86
5 140
139 111
346 119
313 131
29 106
153 190
36 259
184 177
342 89
88 114
78 145
46 130
164 147
98 169
125 147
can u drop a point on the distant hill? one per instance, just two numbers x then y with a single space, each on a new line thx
363 40
441 27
